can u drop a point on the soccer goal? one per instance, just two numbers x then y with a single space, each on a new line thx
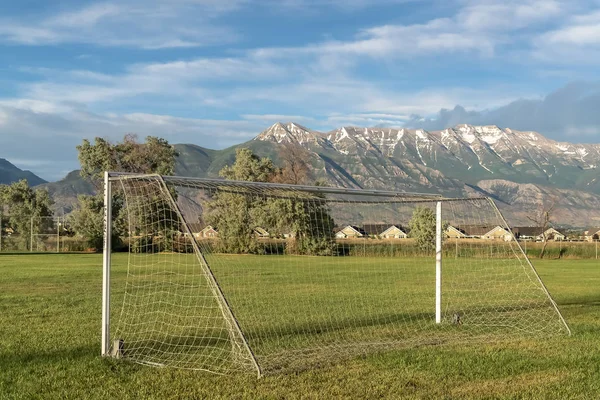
228 276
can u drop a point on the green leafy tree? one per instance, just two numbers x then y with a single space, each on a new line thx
249 167
155 155
422 228
233 214
25 208
303 216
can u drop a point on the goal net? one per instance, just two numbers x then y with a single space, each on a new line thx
228 276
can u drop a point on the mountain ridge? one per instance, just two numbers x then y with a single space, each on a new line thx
10 173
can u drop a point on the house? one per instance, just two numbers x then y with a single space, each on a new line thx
473 231
394 232
209 232
374 230
195 228
350 232
490 232
385 231
591 234
455 232
261 233
552 234
8 231
535 233
527 232
498 233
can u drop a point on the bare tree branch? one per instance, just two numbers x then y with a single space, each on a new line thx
543 220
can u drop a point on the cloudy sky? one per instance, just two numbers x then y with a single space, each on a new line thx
217 72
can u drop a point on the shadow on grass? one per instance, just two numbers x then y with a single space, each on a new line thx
417 321
49 357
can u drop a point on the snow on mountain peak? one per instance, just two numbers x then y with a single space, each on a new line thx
288 133
490 134
422 135
467 133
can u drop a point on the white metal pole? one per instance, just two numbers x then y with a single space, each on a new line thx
438 263
31 235
58 236
456 251
106 266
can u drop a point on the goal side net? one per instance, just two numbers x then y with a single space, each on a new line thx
228 276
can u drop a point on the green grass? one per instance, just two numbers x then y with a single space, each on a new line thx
50 343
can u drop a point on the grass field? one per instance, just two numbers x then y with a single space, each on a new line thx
50 344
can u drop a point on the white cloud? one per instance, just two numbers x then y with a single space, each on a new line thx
580 31
150 24
477 27
576 41
494 15
86 16
187 80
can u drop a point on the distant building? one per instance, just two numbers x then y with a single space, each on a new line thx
209 232
394 232
591 234
385 231
553 234
261 233
498 233
350 232
489 232
527 232
455 232
537 233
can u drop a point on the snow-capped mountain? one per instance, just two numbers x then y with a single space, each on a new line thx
465 152
519 168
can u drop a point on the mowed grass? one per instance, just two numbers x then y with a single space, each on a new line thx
50 343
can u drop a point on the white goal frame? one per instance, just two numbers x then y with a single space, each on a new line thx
436 305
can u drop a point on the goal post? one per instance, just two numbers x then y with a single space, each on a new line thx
438 262
227 276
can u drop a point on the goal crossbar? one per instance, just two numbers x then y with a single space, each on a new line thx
221 183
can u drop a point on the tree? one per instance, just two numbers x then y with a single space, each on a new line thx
155 155
542 218
25 208
295 169
87 220
237 215
305 217
422 228
234 214
249 167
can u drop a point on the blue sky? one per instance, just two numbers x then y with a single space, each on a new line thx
217 72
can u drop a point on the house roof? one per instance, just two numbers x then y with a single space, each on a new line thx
497 227
400 228
457 229
527 230
261 231
474 230
378 229
358 229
